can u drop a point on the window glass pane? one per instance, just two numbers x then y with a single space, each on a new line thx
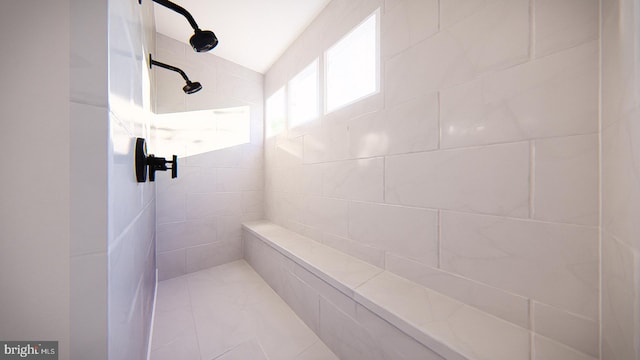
352 65
276 113
303 96
197 132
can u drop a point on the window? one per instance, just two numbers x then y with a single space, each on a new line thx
197 132
303 96
276 113
352 65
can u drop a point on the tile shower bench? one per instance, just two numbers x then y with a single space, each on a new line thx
364 312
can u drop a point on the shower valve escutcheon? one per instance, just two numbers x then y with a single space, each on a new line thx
154 163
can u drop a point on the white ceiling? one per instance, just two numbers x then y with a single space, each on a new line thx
252 33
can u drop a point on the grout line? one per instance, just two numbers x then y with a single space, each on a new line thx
439 97
384 179
439 15
532 29
600 197
455 148
439 237
531 331
153 317
532 178
531 315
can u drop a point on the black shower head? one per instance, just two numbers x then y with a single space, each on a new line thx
192 87
203 40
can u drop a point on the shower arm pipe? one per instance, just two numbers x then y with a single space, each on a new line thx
180 10
169 67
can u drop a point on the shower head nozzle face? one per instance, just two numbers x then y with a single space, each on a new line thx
192 87
203 40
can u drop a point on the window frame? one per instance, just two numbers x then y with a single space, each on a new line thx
377 16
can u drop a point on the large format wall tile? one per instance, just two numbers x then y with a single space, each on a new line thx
553 263
369 253
409 127
131 206
435 63
172 264
354 180
492 180
89 76
621 181
620 269
212 254
485 108
200 212
407 22
575 331
409 232
500 303
202 206
393 343
329 142
88 320
455 11
344 336
566 180
89 126
561 24
330 215
495 36
553 96
619 39
546 349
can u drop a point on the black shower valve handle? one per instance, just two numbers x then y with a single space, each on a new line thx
142 161
160 164
174 167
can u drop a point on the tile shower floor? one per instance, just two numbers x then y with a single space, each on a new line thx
228 312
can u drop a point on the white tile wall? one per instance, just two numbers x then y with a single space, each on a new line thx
200 212
354 179
621 188
620 266
88 319
553 96
89 78
35 220
500 303
409 127
487 119
564 24
328 215
620 182
547 349
495 36
435 63
566 180
499 185
554 263
131 206
407 22
577 332
112 218
381 226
